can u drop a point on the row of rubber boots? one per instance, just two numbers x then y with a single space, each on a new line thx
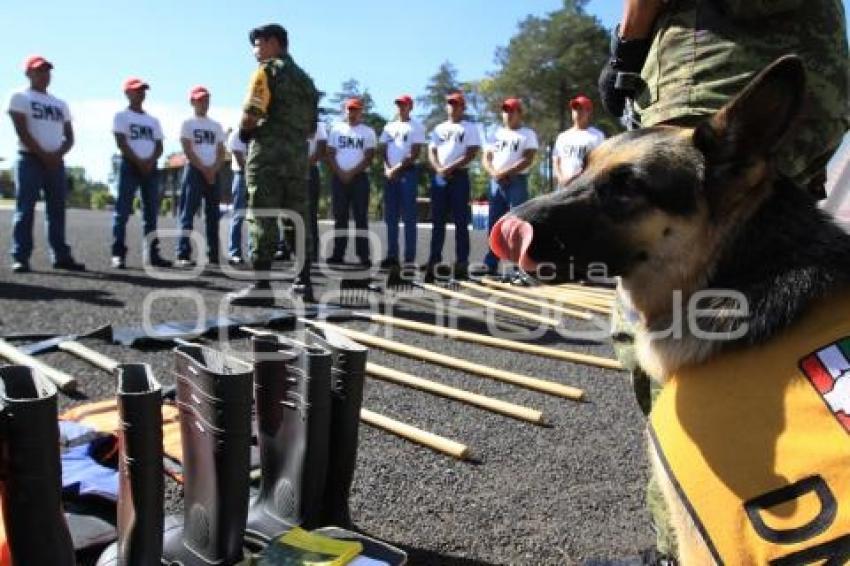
307 402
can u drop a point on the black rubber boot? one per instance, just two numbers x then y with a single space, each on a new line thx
303 285
214 398
31 472
293 412
141 487
259 293
349 368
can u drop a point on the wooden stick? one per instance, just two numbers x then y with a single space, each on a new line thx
481 401
408 432
489 304
65 382
556 295
525 300
532 292
443 309
89 355
586 289
528 382
574 357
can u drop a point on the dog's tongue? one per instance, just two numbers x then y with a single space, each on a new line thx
510 239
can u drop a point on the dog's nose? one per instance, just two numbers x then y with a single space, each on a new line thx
510 239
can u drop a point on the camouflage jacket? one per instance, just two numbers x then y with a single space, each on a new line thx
704 51
285 100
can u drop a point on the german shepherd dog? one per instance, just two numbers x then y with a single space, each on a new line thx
686 210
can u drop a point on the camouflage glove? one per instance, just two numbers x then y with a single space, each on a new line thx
627 56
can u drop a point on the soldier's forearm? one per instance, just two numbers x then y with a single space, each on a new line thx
639 17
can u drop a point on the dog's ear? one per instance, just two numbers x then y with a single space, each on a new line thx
752 124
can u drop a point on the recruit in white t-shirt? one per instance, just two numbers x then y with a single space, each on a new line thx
508 147
204 136
350 143
141 130
452 139
572 146
234 144
321 134
46 117
400 137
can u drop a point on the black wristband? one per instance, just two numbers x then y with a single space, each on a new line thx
245 136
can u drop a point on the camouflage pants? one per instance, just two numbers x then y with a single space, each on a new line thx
271 191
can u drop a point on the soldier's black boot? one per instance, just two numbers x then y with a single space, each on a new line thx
214 398
303 285
259 293
292 389
30 470
141 487
347 375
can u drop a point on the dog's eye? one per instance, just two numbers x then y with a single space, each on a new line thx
621 193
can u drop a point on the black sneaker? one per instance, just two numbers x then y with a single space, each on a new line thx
461 271
118 262
282 255
157 260
259 294
20 266
304 289
365 263
335 260
235 260
68 264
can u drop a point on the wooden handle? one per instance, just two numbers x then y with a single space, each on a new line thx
446 309
482 401
489 304
66 383
586 289
408 432
89 355
538 293
528 382
526 300
466 336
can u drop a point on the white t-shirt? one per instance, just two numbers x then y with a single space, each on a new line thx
350 143
204 135
234 144
141 130
508 146
573 145
400 137
453 139
46 117
321 134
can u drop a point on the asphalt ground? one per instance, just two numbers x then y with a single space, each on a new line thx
533 495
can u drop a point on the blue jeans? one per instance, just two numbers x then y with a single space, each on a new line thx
193 189
353 196
400 200
451 193
129 179
31 177
238 200
504 197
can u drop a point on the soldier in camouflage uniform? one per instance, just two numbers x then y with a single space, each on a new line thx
279 114
693 56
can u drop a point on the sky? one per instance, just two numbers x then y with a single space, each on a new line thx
390 47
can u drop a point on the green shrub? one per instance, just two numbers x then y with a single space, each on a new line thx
166 205
101 199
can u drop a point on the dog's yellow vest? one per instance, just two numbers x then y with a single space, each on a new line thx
757 443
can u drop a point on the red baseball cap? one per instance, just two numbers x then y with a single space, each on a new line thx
354 102
581 101
512 105
36 62
135 83
456 98
198 92
405 99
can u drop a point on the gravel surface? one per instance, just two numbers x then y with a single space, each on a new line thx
533 495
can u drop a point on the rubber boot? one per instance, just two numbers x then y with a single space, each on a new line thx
259 293
142 485
293 414
30 470
214 399
349 368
